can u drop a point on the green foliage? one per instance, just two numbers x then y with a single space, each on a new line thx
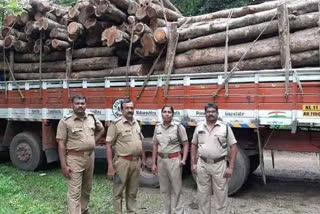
197 7
9 6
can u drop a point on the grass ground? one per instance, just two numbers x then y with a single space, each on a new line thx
45 191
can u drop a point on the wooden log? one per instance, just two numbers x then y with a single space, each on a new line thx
110 12
59 33
142 28
48 24
25 17
38 15
134 70
169 5
139 52
9 41
300 41
35 76
51 16
132 9
48 42
302 59
93 52
90 10
6 31
122 4
75 29
156 23
252 19
44 6
308 20
19 21
131 20
61 11
21 46
141 14
94 63
73 13
113 35
65 20
93 37
161 35
32 28
10 20
59 44
155 11
94 23
149 45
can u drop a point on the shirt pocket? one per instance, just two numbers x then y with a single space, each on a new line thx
126 135
173 138
76 132
201 137
221 139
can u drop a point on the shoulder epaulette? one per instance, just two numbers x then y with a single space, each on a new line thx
116 120
67 116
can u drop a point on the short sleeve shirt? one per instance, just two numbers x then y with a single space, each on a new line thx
78 132
169 139
126 137
213 144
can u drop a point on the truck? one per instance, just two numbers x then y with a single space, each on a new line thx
266 109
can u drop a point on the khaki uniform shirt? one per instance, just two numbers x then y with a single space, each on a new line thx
78 132
125 137
169 139
213 144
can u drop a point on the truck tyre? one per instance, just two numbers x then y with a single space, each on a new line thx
254 162
26 151
240 172
147 178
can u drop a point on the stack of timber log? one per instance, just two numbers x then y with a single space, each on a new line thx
101 38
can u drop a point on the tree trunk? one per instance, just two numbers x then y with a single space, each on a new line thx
169 5
135 70
161 35
132 9
25 17
250 32
9 41
149 45
122 4
48 24
75 29
10 20
59 44
61 11
141 14
302 59
142 28
6 31
300 41
21 46
155 11
252 19
113 35
94 63
73 14
59 33
156 23
32 28
110 12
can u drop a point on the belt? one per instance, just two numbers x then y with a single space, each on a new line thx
79 153
130 158
209 160
169 155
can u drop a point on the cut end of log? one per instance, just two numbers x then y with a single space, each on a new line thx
161 35
10 20
90 10
9 41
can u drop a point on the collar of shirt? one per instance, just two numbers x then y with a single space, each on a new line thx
75 117
218 123
124 120
171 124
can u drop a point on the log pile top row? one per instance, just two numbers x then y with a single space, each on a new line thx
92 38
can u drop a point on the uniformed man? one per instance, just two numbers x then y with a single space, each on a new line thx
167 139
211 139
124 135
76 136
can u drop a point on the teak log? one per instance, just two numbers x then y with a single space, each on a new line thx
149 45
59 44
48 24
155 11
110 12
59 33
113 35
6 31
142 28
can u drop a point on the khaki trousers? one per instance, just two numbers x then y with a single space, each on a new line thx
170 180
80 183
129 174
210 180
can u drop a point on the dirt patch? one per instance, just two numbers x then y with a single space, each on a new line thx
293 187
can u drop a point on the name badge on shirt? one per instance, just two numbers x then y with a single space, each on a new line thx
201 132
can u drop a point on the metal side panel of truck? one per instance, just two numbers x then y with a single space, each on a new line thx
255 105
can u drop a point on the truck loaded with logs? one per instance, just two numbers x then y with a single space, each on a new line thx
259 63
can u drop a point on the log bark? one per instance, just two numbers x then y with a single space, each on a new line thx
169 5
113 35
59 44
6 31
302 59
59 33
65 20
21 46
73 13
10 20
75 29
300 41
25 17
93 52
155 11
90 10
48 24
156 23
9 41
61 11
141 14
122 4
132 8
44 6
252 19
110 12
135 70
250 32
32 28
94 63
35 76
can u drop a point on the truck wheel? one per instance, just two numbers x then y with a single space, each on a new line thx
26 151
240 172
254 162
147 178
